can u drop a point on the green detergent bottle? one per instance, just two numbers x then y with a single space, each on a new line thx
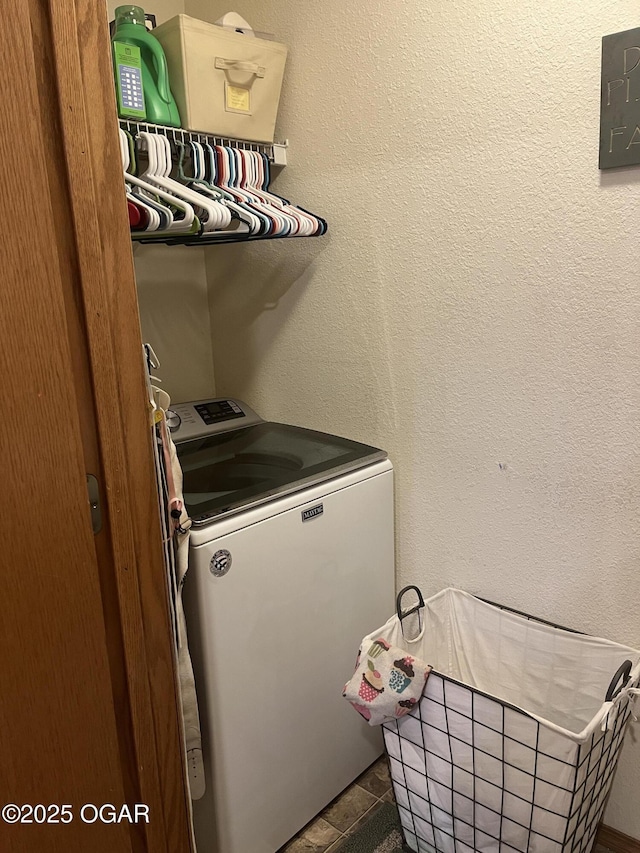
159 105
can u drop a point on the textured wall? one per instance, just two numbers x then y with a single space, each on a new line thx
475 309
174 315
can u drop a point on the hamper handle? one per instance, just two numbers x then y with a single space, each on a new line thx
624 673
420 603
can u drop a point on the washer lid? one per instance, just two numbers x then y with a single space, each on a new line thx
225 473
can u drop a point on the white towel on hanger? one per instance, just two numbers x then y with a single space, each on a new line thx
177 538
190 715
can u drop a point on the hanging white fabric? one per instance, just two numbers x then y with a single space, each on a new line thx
557 676
176 526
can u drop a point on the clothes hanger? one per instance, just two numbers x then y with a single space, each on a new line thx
222 216
253 179
229 187
157 173
135 215
220 176
239 180
164 212
243 222
164 231
249 223
161 236
153 187
281 225
284 224
264 175
257 170
153 217
158 215
131 148
319 224
159 403
176 225
254 170
263 224
138 216
165 215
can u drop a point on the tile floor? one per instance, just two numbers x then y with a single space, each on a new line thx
348 811
345 814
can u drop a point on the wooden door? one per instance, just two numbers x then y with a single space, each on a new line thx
89 713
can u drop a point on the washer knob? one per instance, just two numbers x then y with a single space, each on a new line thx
173 420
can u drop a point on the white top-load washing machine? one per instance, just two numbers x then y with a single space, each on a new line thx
291 564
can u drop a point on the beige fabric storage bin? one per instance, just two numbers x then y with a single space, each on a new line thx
224 83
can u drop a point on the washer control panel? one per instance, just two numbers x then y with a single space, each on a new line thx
215 411
208 417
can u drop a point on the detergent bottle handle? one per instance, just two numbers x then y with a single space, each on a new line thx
160 63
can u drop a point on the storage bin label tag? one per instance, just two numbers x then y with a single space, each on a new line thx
237 99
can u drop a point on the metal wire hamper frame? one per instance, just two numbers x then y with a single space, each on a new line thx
457 799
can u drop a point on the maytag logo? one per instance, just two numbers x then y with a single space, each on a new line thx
316 510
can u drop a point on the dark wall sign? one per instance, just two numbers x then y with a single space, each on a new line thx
620 100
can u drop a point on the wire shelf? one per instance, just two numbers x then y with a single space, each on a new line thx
275 151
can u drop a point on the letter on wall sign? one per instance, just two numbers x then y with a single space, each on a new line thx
620 100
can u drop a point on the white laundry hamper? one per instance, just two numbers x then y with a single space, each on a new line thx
514 743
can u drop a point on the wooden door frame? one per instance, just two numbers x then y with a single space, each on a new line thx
129 548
